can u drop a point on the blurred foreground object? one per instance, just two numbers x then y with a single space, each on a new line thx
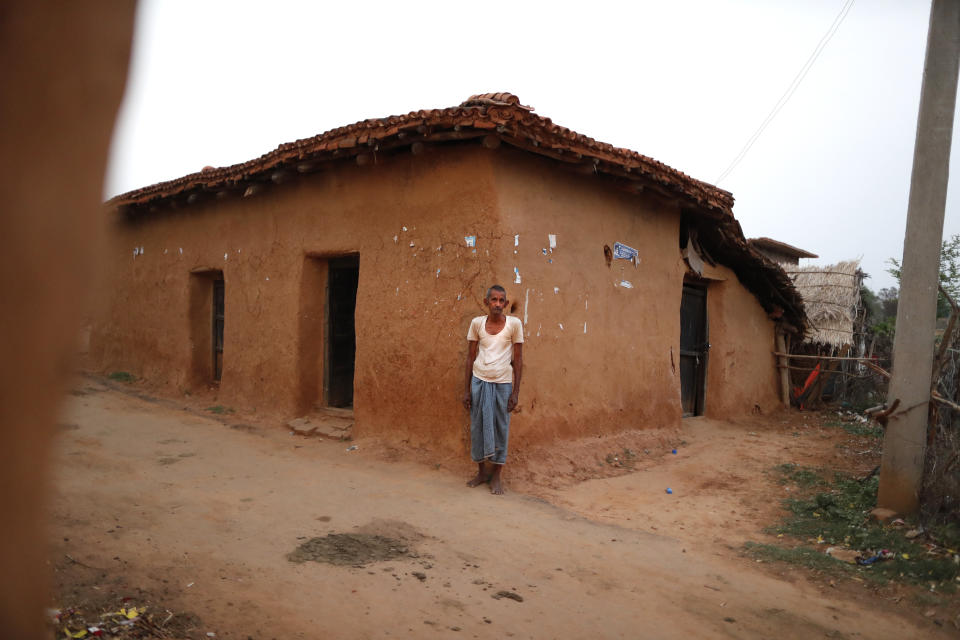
64 67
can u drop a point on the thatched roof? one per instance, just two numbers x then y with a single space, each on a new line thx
831 298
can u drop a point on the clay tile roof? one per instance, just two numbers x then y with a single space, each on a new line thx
503 99
782 247
499 114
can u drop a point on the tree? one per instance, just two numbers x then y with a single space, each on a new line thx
949 274
888 298
880 317
871 304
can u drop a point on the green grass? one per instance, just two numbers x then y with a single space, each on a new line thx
837 514
857 428
947 534
840 516
927 599
805 477
219 409
803 556
122 376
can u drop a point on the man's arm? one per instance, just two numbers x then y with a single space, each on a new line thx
471 356
517 374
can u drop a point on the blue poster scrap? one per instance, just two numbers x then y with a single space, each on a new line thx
623 251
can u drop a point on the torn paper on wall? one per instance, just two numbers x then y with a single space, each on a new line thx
624 252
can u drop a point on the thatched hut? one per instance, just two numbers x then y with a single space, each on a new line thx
831 298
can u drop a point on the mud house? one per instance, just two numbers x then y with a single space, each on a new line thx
342 271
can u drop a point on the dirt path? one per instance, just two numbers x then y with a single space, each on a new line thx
722 492
183 510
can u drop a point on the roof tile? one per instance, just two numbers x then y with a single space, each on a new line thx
486 112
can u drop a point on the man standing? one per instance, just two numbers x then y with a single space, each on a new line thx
494 368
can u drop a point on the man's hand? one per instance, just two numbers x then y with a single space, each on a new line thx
472 348
512 402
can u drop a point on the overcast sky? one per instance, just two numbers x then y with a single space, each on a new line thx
686 82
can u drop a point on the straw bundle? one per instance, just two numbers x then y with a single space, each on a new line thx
831 298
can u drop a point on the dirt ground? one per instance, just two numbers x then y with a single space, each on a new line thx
229 525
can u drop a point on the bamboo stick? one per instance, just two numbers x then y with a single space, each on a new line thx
806 357
936 396
834 273
784 374
841 373
878 369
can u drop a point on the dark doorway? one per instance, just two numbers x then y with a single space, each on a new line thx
218 328
206 326
693 348
342 283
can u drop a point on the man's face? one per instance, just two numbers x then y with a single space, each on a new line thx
496 302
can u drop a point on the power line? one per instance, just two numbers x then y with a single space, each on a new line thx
791 89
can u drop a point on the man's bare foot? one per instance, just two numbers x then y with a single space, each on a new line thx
482 477
477 480
496 486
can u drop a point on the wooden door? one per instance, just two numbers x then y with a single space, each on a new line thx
218 299
693 348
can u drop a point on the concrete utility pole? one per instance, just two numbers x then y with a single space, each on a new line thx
901 471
